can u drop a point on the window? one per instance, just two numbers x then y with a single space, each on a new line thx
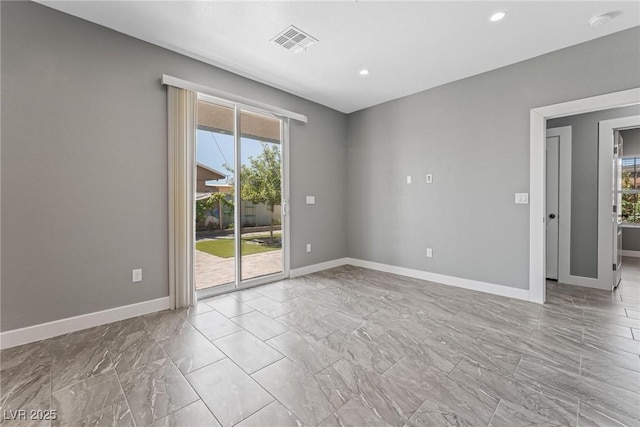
631 190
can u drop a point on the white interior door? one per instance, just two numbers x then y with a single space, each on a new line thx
617 208
553 180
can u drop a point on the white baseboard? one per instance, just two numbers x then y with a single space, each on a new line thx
77 323
475 285
633 254
585 282
297 272
72 324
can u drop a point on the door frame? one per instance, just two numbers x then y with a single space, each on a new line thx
606 134
240 284
537 173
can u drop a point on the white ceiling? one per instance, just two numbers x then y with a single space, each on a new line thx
408 46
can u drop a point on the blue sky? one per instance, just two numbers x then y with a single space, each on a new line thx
208 154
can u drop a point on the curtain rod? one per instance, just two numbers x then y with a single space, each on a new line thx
196 87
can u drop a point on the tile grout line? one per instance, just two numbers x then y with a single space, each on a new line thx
200 399
518 365
51 381
494 412
183 375
580 366
259 409
325 394
126 399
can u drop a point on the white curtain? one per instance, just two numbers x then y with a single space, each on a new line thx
182 105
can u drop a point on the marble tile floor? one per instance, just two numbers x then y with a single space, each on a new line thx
345 347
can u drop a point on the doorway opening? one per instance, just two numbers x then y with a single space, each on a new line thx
537 209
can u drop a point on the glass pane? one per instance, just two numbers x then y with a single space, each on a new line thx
629 174
215 243
261 195
630 208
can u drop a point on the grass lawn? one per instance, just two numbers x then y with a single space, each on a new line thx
224 248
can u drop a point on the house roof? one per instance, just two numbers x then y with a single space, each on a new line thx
205 173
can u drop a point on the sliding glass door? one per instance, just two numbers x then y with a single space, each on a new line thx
240 195
260 195
215 193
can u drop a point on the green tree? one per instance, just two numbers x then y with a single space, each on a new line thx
260 181
630 210
204 206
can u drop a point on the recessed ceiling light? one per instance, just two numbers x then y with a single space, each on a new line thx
364 72
599 20
498 16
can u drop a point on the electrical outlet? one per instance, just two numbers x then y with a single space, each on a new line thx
522 198
136 275
311 200
308 247
429 253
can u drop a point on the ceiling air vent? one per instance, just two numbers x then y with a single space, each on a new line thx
294 39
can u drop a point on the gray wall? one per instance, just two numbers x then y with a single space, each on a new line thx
631 138
84 166
584 186
631 239
473 135
631 236
84 196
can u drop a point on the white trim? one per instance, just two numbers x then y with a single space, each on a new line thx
537 209
77 323
285 213
587 282
226 96
314 268
606 218
629 225
632 254
537 144
593 103
474 285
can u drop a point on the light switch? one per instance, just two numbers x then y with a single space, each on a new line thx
429 178
522 198
408 179
136 275
311 200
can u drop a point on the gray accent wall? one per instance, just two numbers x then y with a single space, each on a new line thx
584 186
631 239
473 136
84 166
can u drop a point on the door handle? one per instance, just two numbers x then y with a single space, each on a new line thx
552 216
